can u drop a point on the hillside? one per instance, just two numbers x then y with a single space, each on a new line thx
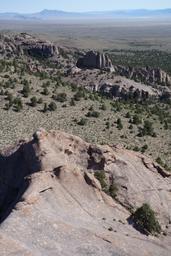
41 85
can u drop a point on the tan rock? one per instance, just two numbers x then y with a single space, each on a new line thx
58 207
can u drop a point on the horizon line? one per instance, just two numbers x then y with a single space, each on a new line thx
99 11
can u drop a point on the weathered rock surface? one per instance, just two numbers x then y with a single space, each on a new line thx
97 60
51 203
115 86
26 44
125 91
147 75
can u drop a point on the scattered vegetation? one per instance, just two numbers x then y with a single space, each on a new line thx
147 129
109 189
119 124
82 122
100 176
141 58
140 126
93 113
61 97
33 101
52 106
145 220
113 189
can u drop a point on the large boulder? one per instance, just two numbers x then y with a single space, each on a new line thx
96 60
52 204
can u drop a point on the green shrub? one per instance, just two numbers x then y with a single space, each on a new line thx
166 126
103 107
159 161
145 220
26 90
113 189
45 91
61 97
2 92
82 122
130 127
136 120
52 106
144 148
136 149
45 108
147 129
119 124
100 176
72 102
93 114
107 125
9 97
7 106
128 115
74 87
80 94
33 101
40 101
18 105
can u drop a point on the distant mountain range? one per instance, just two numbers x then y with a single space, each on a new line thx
56 14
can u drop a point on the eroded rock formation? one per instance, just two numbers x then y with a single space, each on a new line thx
27 44
52 204
97 60
147 75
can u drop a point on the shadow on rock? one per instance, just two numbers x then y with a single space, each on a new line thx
16 164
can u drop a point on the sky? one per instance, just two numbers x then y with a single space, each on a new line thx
29 6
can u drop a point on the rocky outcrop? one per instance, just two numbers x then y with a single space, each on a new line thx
27 44
123 92
52 204
114 86
147 75
39 49
96 60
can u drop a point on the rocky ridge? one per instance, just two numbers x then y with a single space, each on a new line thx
52 204
93 70
26 44
114 86
147 75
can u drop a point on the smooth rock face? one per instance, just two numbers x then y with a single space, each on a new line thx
97 60
52 203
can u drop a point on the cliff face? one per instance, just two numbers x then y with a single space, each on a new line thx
129 91
151 76
26 44
95 60
52 204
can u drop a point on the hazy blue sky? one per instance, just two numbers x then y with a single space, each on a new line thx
80 5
